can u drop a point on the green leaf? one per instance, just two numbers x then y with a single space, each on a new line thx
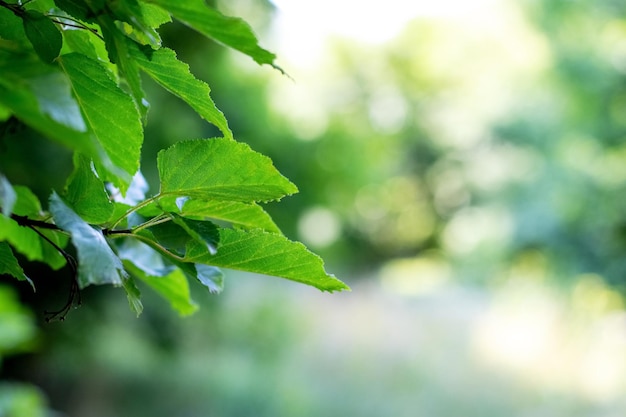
9 264
47 83
209 276
173 75
173 287
203 232
76 8
133 294
230 31
8 197
131 13
144 258
11 26
86 194
149 266
153 15
81 41
246 215
117 46
27 203
220 169
171 236
120 131
23 239
51 256
24 106
269 254
24 91
43 35
54 96
97 263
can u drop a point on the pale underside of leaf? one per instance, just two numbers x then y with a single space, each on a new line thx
22 102
97 263
167 280
8 196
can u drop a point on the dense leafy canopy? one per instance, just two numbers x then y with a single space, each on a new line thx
71 70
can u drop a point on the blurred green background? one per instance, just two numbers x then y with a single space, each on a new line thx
462 165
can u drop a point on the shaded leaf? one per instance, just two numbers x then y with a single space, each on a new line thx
97 263
144 258
9 265
51 256
173 75
230 31
24 91
220 169
133 294
43 35
173 287
23 239
76 8
150 267
117 47
171 236
246 215
54 96
26 203
209 276
86 194
23 104
119 132
11 26
81 41
203 232
269 254
131 13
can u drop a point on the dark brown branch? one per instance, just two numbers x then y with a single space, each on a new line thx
74 293
26 222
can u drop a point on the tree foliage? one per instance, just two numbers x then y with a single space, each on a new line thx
71 70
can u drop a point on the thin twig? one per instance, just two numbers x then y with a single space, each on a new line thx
134 209
26 222
77 24
74 288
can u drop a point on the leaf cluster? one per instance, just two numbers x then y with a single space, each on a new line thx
71 70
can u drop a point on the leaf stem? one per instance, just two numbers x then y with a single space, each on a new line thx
149 242
17 9
134 209
74 287
153 222
77 24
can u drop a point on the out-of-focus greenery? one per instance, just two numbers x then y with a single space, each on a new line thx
465 177
18 331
